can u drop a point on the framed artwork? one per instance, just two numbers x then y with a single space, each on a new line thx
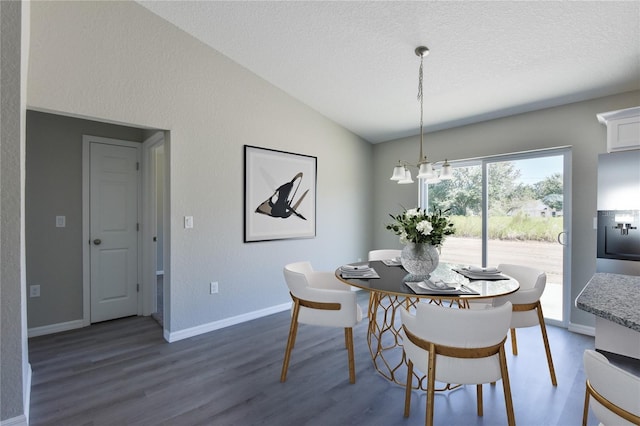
279 195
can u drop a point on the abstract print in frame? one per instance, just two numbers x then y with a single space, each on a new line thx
279 195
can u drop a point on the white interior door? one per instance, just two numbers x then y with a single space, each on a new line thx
114 183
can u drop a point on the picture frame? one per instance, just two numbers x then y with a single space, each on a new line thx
279 195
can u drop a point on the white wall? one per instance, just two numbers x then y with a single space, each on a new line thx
574 124
117 61
15 370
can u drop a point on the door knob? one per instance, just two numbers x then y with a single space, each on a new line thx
97 241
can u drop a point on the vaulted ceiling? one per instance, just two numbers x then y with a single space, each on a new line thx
354 61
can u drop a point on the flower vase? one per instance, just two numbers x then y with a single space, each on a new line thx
419 260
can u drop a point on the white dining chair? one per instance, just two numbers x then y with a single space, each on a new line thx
384 254
527 309
320 299
461 346
612 393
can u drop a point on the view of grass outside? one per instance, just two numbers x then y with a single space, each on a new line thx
518 227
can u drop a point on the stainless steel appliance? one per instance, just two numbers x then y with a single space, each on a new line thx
619 213
618 234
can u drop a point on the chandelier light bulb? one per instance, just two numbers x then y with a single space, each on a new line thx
407 177
398 173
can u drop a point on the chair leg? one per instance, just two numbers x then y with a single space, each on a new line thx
514 342
431 383
407 391
585 413
294 334
293 329
511 418
547 349
348 336
479 398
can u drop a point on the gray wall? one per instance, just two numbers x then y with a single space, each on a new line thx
14 369
574 124
54 188
118 62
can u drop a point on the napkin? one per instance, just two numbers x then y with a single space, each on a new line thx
477 269
486 274
358 271
437 285
392 262
355 268
439 289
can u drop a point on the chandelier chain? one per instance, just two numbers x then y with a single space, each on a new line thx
420 98
420 88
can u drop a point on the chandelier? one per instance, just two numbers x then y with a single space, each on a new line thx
426 171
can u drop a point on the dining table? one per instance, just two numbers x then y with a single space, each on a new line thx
390 287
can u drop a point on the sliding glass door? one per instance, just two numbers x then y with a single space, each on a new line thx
511 209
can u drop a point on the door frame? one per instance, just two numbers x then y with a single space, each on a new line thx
87 140
567 183
149 224
566 152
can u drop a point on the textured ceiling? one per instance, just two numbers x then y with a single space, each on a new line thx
354 62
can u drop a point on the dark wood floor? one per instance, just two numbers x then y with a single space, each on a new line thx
122 372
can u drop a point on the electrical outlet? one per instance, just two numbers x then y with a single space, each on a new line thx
34 291
213 287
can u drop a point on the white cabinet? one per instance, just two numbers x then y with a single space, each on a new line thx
623 129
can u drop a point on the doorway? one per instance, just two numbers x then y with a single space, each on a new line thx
57 187
512 209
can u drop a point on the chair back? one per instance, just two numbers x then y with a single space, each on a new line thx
296 277
532 283
384 254
458 328
618 389
528 277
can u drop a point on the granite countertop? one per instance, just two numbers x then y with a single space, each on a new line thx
614 297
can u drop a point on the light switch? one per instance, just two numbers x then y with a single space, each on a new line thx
188 222
34 290
61 221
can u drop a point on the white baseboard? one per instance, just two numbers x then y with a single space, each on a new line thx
170 336
227 322
15 421
582 329
55 328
